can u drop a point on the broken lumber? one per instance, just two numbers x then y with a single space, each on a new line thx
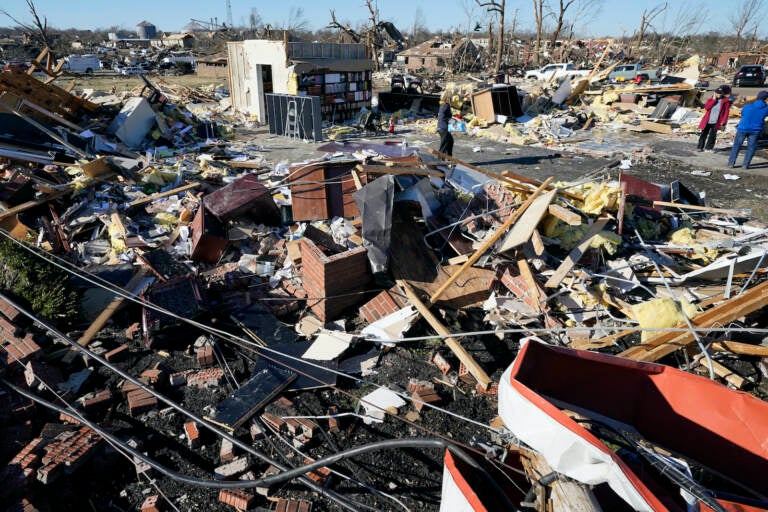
709 209
575 255
491 240
458 350
132 288
160 195
565 215
665 343
742 349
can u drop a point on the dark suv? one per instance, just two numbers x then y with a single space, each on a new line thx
749 76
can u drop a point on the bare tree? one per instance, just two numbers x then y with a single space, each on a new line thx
497 7
538 16
687 22
38 25
559 16
372 34
745 19
343 28
645 23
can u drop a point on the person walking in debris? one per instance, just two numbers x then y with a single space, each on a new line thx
444 116
715 116
750 127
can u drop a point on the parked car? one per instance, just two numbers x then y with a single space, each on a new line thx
132 70
559 70
627 72
747 76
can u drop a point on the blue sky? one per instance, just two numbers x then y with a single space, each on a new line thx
614 18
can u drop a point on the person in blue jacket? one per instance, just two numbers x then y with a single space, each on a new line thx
750 127
443 118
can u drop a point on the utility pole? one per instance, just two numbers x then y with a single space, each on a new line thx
229 14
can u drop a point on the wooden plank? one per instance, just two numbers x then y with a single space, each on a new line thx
160 195
132 288
459 351
725 373
743 349
28 205
533 286
650 126
728 311
575 255
492 239
356 178
537 243
523 229
565 215
564 493
726 211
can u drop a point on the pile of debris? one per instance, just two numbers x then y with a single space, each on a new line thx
331 322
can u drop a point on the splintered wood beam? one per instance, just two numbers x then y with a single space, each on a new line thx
565 215
160 195
491 240
458 350
665 343
743 349
575 255
709 209
132 288
28 205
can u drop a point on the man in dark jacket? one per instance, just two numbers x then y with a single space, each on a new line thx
750 127
715 116
443 118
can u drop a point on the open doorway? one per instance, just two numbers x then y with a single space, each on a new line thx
266 84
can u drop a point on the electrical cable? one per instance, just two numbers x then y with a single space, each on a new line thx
679 307
237 340
212 427
284 476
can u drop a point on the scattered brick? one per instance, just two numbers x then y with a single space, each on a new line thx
276 422
153 376
117 354
238 498
320 475
383 304
284 505
422 397
231 469
18 349
67 452
465 376
205 356
9 312
141 401
192 433
208 378
420 385
227 451
441 363
150 504
333 423
96 399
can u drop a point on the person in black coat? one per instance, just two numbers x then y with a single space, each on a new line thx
443 118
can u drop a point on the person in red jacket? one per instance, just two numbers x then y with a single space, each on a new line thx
715 116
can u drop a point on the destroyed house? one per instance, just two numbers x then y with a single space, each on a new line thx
435 55
338 74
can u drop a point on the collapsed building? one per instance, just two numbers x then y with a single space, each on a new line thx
372 324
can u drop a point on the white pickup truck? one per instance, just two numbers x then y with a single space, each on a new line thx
561 70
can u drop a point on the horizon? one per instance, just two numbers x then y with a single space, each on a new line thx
609 22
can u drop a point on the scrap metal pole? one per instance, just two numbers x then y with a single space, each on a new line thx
492 240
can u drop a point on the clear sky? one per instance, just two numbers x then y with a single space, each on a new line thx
614 19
